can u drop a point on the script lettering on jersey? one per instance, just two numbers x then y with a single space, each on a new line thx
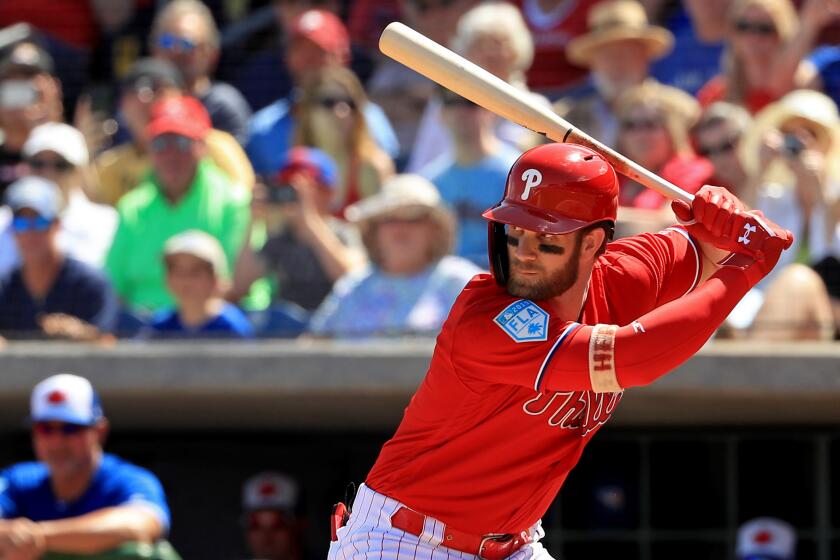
578 410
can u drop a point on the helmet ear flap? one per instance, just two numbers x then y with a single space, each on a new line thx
497 249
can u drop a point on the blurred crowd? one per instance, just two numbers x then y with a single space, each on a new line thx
187 169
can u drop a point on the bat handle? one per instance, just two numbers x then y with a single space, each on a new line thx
629 168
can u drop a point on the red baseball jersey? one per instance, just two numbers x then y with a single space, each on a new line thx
552 31
492 433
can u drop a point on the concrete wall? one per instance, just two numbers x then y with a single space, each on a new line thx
328 386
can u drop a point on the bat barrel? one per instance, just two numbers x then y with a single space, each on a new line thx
454 72
469 80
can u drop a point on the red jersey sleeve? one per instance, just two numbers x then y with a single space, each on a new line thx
640 273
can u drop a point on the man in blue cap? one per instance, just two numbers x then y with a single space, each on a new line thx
76 499
49 291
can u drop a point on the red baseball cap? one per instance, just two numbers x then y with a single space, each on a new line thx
317 164
324 29
179 115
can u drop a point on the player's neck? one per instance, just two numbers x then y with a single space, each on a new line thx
568 305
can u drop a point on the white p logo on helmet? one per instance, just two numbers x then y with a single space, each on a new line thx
532 178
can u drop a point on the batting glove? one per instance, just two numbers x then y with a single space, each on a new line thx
719 218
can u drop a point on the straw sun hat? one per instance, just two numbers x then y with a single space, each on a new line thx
405 195
618 20
809 106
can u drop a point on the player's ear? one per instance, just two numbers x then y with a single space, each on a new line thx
593 240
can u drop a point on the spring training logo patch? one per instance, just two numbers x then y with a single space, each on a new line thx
523 321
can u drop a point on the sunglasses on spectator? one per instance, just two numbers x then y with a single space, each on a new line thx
170 42
717 149
58 165
333 102
171 141
641 124
23 224
63 428
755 27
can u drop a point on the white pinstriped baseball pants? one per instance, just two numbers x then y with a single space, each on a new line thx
369 534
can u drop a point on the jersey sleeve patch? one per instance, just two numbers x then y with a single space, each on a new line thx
523 321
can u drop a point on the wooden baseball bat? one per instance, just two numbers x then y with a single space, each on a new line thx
454 72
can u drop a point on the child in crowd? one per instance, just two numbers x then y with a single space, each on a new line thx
196 272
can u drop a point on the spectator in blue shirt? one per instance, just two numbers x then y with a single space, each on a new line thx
317 39
473 174
196 274
75 499
48 283
698 29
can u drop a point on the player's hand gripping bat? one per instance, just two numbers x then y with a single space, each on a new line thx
456 73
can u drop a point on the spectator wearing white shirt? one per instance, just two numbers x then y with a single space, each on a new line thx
58 152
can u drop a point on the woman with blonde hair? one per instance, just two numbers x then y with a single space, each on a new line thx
765 47
330 116
654 124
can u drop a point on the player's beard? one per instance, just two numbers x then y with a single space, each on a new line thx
552 286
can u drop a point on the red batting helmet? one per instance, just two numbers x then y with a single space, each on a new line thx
553 189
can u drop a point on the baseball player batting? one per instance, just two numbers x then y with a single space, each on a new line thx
535 356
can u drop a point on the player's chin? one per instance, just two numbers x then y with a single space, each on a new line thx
520 287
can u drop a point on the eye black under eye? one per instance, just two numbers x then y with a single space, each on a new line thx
512 241
551 249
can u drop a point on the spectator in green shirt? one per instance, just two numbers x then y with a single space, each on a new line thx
184 191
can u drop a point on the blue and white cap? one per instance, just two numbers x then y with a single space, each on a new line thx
35 193
270 490
65 398
766 538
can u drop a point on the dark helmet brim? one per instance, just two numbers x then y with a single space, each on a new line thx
533 219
